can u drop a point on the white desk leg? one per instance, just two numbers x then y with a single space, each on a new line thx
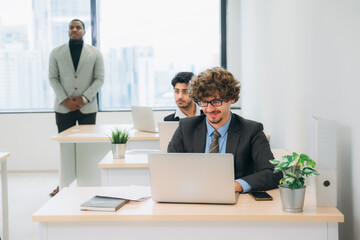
67 164
332 231
104 177
88 156
5 200
43 231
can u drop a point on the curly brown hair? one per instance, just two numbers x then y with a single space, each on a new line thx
213 80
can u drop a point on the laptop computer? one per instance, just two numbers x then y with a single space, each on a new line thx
166 131
192 178
143 119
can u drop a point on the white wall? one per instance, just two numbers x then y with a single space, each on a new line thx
302 58
28 139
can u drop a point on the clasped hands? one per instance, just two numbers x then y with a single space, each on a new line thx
74 103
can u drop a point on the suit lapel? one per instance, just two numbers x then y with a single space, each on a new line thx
200 137
234 135
68 56
82 57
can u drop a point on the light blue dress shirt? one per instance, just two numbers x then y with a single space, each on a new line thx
223 130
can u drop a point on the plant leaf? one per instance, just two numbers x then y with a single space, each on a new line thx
291 159
282 180
307 171
298 183
302 159
311 163
289 181
119 136
290 175
274 161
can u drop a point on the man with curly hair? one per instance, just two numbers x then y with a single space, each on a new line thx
220 130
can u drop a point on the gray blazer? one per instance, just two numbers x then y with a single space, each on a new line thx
246 141
86 81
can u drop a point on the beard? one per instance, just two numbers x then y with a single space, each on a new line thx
184 104
214 121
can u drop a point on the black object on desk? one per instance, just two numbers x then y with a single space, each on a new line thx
261 196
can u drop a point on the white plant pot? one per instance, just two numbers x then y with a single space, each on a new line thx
292 200
118 150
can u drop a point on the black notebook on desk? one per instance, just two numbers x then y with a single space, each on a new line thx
108 204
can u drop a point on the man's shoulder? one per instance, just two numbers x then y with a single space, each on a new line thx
194 120
171 117
243 122
241 119
91 48
61 48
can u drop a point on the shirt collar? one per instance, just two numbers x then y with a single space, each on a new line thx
181 115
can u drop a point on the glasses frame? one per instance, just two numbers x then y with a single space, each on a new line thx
211 102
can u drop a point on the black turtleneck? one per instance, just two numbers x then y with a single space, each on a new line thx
75 50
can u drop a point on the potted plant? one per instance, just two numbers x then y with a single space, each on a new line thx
295 168
118 142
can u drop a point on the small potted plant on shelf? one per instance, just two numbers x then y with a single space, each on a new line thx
295 168
118 142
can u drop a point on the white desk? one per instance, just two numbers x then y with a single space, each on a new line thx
4 187
133 170
83 146
61 218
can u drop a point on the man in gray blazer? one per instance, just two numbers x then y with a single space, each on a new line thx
76 73
219 130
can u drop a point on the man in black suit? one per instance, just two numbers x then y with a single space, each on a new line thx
220 130
186 107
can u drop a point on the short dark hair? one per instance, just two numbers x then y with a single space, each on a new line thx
78 20
182 77
213 80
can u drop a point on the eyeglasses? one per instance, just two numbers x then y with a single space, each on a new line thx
214 103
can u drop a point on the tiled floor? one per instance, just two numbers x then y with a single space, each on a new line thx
28 191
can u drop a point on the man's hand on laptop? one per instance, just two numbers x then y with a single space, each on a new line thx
238 187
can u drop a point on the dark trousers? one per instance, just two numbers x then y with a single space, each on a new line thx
68 120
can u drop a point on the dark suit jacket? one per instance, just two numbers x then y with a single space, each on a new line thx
171 117
246 141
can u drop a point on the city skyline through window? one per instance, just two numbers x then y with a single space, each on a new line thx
144 44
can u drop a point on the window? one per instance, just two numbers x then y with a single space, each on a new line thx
27 36
144 44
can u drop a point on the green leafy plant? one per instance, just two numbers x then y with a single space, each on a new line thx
119 136
294 167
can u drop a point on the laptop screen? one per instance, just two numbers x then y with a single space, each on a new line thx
192 178
166 131
143 119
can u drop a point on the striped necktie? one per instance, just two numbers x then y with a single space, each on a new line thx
214 146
